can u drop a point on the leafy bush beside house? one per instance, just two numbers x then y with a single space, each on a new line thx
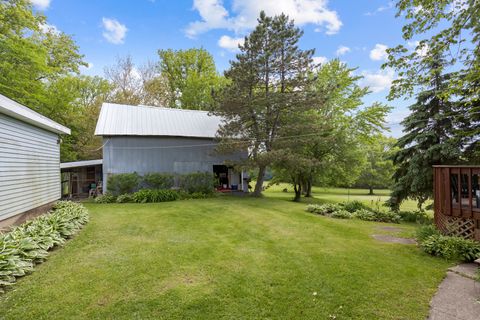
123 183
202 182
156 180
127 183
28 244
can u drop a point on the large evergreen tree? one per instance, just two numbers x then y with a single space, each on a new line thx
268 90
430 139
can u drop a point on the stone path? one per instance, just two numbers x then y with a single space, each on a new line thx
392 239
458 296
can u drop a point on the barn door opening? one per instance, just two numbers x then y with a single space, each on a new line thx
221 177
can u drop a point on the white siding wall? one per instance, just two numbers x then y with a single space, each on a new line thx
29 167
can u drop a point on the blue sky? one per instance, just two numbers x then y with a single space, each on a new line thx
355 31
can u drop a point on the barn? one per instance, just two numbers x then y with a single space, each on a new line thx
145 139
29 162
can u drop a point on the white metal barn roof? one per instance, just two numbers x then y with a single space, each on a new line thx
83 163
22 113
126 120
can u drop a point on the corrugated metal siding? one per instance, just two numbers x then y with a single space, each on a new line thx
29 167
126 120
160 154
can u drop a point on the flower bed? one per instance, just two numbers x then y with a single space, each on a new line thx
28 244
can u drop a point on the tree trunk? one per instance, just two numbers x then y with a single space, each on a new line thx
371 190
308 192
304 188
298 192
259 185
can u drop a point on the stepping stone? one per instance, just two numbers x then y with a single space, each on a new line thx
468 270
390 239
477 261
456 298
389 228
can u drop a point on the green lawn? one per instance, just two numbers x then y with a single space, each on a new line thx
342 195
226 258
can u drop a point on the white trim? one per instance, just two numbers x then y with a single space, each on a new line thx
84 163
17 111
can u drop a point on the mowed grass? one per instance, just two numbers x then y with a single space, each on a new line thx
226 258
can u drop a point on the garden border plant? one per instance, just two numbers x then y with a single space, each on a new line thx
157 187
26 245
353 209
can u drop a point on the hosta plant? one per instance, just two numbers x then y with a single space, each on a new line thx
28 244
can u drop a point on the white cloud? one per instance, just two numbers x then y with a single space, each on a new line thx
244 14
48 28
421 50
379 52
320 60
342 50
41 4
377 81
230 43
381 9
114 32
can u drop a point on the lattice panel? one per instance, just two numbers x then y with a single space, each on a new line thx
461 227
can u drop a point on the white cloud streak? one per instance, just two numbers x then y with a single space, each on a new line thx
244 14
114 32
320 60
342 50
379 52
41 4
377 81
229 43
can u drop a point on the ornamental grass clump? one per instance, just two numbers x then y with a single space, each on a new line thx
28 244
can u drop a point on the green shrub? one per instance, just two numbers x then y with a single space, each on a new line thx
386 216
105 198
355 205
418 216
123 183
156 180
125 198
202 182
324 209
364 214
341 214
28 244
377 215
148 195
426 231
451 247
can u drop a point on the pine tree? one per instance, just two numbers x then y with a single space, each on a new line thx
429 140
268 88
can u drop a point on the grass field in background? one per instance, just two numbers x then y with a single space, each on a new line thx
341 195
224 258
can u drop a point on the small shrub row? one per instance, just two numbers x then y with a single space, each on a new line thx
353 209
124 183
28 244
445 246
148 195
